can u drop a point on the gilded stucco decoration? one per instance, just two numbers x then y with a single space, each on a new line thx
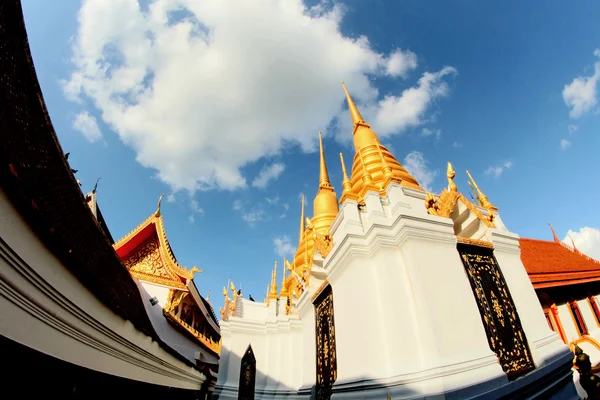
443 206
324 243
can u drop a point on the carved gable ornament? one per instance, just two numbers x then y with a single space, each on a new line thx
444 205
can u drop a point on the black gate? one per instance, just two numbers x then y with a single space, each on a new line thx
498 312
325 343
247 375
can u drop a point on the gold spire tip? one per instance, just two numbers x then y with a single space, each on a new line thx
354 113
323 174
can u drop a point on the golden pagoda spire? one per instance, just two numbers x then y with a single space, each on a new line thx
323 175
354 113
483 200
301 236
284 291
451 174
273 294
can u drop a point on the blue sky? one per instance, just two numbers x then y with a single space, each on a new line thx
198 101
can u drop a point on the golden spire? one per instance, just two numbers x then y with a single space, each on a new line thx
347 193
451 174
267 294
387 170
323 175
373 157
301 236
225 293
273 294
354 113
284 291
483 200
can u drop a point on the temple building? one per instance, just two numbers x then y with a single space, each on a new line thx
80 318
181 316
397 292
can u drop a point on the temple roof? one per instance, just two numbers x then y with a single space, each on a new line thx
40 183
146 239
553 263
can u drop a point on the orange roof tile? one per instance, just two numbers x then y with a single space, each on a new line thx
555 264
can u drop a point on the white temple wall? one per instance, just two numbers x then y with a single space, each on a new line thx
567 322
307 362
53 313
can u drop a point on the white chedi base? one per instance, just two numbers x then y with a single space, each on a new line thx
406 320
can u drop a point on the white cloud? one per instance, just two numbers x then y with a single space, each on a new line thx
200 88
581 95
253 215
587 240
272 200
565 144
417 166
497 170
573 129
400 62
268 174
238 205
86 124
432 132
457 145
171 198
196 210
284 247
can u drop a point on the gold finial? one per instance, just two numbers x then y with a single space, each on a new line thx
323 175
301 236
354 113
309 224
346 184
451 174
387 170
225 293
283 291
196 270
288 265
232 287
483 200
273 293
159 200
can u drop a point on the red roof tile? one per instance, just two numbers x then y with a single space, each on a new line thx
555 264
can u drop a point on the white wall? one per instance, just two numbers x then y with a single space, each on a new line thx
174 337
43 306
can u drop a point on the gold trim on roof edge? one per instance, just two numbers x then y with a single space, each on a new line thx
165 248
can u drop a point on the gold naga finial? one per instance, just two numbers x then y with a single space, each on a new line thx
483 200
301 236
225 293
159 201
354 113
323 174
450 173
288 265
196 270
232 287
208 296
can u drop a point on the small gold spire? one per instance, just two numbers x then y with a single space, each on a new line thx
323 175
346 184
301 236
225 292
354 113
273 294
283 292
387 170
232 287
367 179
483 200
267 294
450 173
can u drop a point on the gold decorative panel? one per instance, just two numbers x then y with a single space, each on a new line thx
498 312
325 341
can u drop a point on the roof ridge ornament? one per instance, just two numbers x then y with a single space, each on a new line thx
556 239
450 173
157 213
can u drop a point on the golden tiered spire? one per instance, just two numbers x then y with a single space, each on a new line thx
301 236
483 200
273 294
325 206
374 156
